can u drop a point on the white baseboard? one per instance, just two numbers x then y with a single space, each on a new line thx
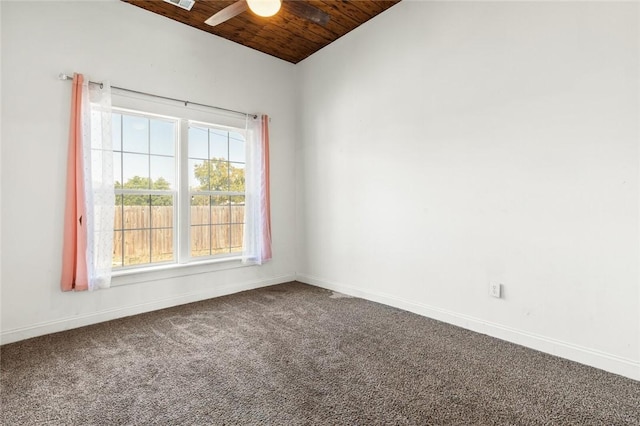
604 361
40 329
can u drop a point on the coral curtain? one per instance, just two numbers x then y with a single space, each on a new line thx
89 210
265 193
74 261
257 233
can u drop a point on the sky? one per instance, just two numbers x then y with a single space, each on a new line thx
146 147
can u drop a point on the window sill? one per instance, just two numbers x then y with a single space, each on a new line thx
174 270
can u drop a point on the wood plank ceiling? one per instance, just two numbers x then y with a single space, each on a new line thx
286 35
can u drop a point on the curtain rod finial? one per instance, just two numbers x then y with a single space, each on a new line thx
63 76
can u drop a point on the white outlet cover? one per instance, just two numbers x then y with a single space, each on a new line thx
495 290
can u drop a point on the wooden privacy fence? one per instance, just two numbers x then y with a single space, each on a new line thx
145 234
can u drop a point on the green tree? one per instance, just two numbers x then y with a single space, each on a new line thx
138 182
218 174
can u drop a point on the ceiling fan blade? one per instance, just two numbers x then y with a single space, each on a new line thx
227 13
306 11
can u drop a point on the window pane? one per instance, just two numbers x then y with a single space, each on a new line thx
198 143
218 145
236 237
162 211
116 131
136 247
236 177
135 171
220 212
220 239
218 175
200 241
117 169
199 175
117 235
200 210
136 212
163 137
163 172
236 148
135 134
117 249
237 211
161 245
117 216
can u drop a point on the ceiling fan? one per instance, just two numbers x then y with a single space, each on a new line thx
268 8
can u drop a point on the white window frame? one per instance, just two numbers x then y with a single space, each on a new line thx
183 263
186 191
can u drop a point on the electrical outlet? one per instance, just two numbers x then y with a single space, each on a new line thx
495 290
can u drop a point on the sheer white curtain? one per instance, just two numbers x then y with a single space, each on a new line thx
257 214
89 208
98 160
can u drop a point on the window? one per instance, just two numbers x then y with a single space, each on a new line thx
216 189
180 189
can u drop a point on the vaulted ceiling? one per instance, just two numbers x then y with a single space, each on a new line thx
289 35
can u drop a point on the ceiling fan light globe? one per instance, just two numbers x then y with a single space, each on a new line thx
264 8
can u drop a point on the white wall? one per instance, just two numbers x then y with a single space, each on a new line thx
135 49
446 145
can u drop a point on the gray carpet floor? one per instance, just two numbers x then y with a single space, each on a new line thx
293 354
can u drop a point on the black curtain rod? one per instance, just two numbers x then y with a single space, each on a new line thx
63 76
